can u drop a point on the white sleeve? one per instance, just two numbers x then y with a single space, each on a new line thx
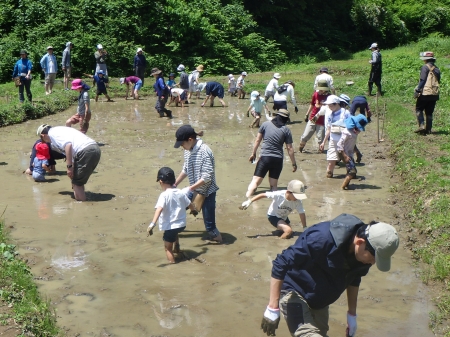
291 89
330 82
300 208
161 201
315 83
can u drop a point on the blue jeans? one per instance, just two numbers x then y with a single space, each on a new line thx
25 85
209 212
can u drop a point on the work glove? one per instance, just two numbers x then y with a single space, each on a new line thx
150 228
270 321
351 325
296 110
306 118
194 212
245 204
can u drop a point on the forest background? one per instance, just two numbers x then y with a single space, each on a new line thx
227 36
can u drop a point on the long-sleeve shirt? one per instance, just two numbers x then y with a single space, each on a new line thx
199 164
139 61
160 86
273 85
318 265
22 67
424 71
66 58
100 57
48 64
324 77
285 94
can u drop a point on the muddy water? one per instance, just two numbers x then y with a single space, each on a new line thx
105 277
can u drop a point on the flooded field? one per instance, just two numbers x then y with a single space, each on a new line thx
107 278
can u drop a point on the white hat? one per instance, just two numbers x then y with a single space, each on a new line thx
139 49
332 99
230 76
181 67
297 188
244 73
122 80
49 47
277 75
254 94
373 45
99 46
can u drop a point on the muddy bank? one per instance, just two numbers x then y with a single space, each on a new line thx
105 276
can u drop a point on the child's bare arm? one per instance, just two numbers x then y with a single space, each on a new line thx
303 219
153 223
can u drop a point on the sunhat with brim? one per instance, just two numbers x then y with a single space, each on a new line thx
77 84
49 47
277 76
200 67
254 95
155 71
180 67
427 55
322 85
283 113
99 46
297 188
122 80
344 98
42 151
139 49
373 45
230 76
358 122
384 240
244 73
332 99
41 128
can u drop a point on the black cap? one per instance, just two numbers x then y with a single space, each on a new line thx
183 133
324 70
166 175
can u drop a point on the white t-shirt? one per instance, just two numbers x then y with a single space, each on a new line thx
331 118
173 202
232 83
176 92
281 207
324 77
60 136
285 94
241 81
273 85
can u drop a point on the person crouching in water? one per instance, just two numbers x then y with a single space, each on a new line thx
83 115
256 106
40 162
346 145
284 202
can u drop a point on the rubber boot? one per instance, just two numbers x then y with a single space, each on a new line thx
369 93
346 182
421 129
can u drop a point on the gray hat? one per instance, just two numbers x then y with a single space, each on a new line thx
384 239
373 45
42 129
283 113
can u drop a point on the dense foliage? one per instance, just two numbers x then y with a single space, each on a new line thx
224 35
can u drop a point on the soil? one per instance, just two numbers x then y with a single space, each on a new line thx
106 277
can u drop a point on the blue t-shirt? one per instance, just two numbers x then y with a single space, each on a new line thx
170 83
100 81
38 170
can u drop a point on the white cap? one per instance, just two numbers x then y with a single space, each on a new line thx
99 46
230 76
181 67
244 73
139 49
332 99
297 188
373 45
277 75
254 94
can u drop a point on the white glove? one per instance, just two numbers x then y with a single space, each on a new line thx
245 204
150 228
351 325
272 314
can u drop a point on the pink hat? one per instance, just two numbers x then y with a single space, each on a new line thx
42 151
77 84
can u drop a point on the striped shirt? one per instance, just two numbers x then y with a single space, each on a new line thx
199 164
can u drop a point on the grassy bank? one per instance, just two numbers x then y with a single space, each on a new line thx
31 313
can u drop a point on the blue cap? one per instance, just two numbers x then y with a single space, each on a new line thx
359 122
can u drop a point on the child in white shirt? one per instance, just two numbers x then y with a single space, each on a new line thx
178 95
231 85
283 204
170 212
240 85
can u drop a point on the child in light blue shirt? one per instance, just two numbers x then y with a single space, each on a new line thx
256 107
40 163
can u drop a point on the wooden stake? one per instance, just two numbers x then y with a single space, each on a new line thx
378 119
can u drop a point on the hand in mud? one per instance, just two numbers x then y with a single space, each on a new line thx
351 325
245 204
270 321
150 229
306 118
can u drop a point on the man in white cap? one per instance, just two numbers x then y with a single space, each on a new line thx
140 63
327 259
427 92
324 76
375 70
100 57
184 81
272 87
50 68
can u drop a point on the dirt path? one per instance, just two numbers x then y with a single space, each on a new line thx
105 276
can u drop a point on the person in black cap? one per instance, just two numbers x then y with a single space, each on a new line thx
199 167
170 212
324 76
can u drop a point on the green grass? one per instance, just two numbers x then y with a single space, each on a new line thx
33 314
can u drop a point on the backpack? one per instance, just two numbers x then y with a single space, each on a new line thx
184 81
431 87
282 88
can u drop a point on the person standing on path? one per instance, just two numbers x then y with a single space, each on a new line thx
326 260
100 57
427 92
50 68
199 167
375 70
22 71
82 154
140 63
324 76
273 134
66 64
